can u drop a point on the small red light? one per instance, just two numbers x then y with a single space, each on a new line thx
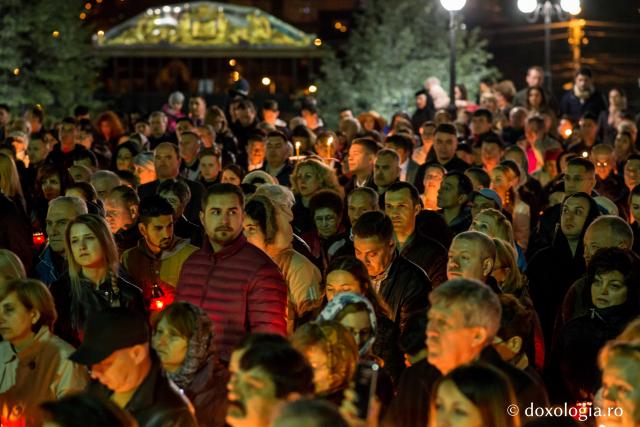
38 239
157 304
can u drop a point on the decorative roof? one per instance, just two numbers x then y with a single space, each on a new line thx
204 27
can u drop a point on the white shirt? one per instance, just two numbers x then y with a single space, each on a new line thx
403 170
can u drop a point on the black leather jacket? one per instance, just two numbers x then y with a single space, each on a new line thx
157 402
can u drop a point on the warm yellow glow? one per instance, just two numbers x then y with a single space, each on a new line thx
16 71
568 132
313 89
55 34
317 42
100 33
235 76
88 6
266 81
585 154
232 62
98 1
343 29
337 25
83 15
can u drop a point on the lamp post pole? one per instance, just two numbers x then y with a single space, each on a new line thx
547 9
452 58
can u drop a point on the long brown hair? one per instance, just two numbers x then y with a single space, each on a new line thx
9 180
100 229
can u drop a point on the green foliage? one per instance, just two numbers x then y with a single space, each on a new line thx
393 48
56 72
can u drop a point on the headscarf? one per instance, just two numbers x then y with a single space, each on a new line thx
339 303
199 348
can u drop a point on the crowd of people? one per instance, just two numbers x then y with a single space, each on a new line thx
216 265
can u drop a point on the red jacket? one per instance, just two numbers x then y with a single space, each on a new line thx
239 287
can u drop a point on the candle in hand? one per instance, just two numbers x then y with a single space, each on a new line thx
297 148
329 142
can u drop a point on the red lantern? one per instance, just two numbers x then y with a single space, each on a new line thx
38 239
159 300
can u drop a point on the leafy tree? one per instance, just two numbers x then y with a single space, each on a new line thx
45 56
393 48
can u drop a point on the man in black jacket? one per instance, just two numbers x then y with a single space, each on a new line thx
128 372
402 285
402 204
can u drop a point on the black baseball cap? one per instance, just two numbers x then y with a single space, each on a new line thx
110 330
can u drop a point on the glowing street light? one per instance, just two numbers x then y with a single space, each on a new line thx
266 81
453 5
547 8
313 89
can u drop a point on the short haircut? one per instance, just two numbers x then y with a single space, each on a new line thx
493 139
584 71
413 191
193 134
536 120
177 187
78 204
222 189
618 227
185 119
483 112
478 303
171 145
311 413
284 365
447 128
86 155
389 153
481 175
516 319
327 199
33 294
369 144
85 188
400 141
589 115
373 195
105 174
277 134
374 224
126 195
625 261
465 186
584 163
270 104
160 114
5 107
487 247
537 68
152 207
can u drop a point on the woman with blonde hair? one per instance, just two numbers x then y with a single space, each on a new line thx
495 224
10 181
94 280
10 267
34 363
310 176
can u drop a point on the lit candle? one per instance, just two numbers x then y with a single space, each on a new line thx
329 142
297 148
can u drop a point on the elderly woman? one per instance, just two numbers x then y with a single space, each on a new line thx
267 228
183 339
333 355
34 362
310 176
614 274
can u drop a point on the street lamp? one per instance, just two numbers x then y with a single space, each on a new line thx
546 8
453 6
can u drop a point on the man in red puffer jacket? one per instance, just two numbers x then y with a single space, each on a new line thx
234 282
